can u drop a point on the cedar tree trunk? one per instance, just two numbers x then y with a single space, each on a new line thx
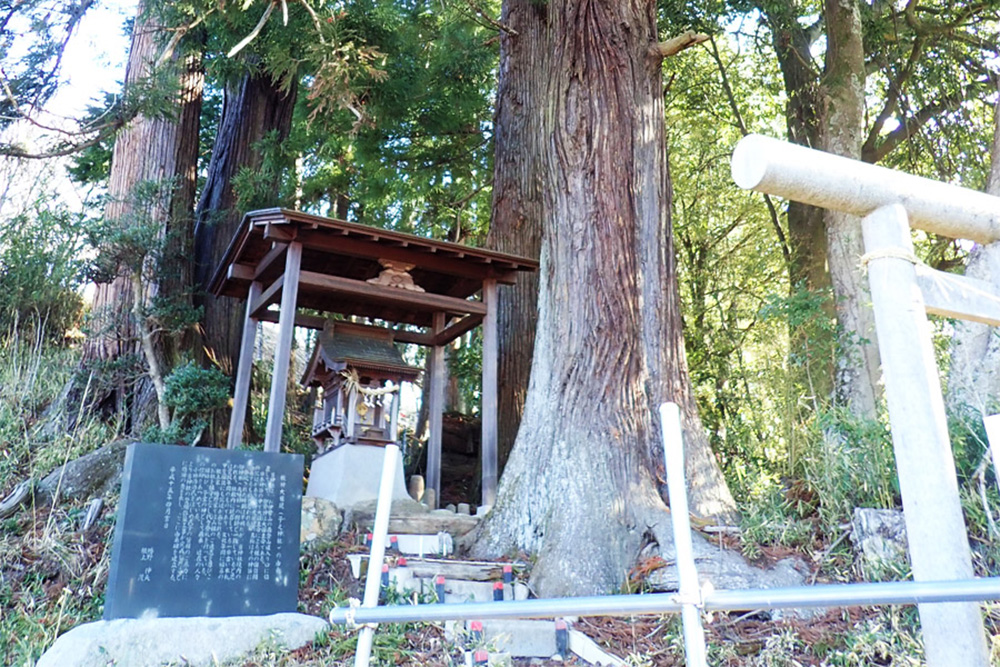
516 225
148 149
581 487
253 107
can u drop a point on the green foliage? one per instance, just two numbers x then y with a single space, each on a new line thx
420 158
254 188
40 268
37 31
33 373
852 466
193 393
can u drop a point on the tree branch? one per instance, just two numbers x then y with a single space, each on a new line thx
675 45
492 22
910 126
727 88
895 90
253 33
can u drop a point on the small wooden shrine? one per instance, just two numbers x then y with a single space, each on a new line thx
419 290
359 373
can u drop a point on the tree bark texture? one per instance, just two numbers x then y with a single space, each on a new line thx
826 111
148 149
974 375
516 225
253 107
842 133
581 488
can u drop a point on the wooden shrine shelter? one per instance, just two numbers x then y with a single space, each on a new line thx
293 260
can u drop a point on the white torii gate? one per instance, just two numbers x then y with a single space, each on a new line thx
903 291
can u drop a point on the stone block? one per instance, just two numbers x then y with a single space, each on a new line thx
194 641
350 474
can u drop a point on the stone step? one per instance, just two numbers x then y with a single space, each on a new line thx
415 522
528 639
456 591
422 580
471 570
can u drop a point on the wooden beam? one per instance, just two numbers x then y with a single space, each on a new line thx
456 329
267 297
961 297
241 394
283 349
425 258
435 410
240 272
391 295
489 394
318 322
277 251
282 232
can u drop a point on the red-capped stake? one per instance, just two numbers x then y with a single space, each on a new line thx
508 573
497 591
439 588
368 540
480 657
562 637
393 543
385 576
401 561
476 632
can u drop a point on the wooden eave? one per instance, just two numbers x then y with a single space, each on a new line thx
350 250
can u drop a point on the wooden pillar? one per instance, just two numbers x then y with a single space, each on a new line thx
935 527
244 367
435 411
489 393
283 348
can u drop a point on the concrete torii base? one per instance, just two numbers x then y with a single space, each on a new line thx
350 474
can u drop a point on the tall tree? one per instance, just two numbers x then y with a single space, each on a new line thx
256 107
841 128
974 372
582 486
516 222
155 152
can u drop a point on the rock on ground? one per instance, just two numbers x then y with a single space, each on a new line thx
879 535
185 641
320 522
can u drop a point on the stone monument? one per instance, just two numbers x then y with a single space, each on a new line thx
205 532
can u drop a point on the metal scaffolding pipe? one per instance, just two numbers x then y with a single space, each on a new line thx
842 184
695 651
833 595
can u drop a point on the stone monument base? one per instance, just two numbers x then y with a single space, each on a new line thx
350 474
196 641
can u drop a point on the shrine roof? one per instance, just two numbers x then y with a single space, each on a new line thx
365 349
334 250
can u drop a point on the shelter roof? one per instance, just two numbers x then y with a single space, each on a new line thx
339 257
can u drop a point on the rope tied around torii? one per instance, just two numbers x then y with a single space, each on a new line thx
893 253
